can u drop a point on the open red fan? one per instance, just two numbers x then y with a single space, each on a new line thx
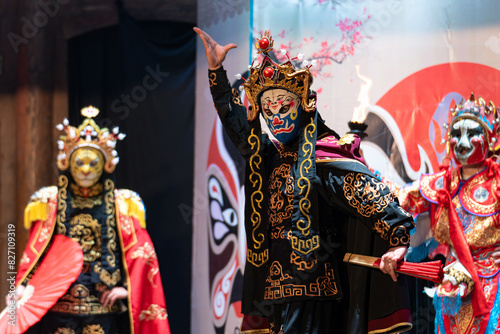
431 271
61 266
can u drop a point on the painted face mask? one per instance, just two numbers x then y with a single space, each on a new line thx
281 110
86 165
468 142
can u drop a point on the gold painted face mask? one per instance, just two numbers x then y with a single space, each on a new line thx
86 166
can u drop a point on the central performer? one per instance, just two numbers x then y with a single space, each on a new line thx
309 199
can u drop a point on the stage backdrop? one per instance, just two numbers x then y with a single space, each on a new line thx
399 64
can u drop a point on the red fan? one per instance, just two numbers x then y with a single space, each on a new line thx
61 266
431 271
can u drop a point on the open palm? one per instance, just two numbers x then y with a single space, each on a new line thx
215 53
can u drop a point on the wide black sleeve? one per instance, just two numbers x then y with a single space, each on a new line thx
231 111
359 193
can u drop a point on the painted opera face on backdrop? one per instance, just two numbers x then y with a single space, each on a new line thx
281 110
468 142
86 166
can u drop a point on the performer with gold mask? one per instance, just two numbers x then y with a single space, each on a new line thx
309 199
119 288
463 223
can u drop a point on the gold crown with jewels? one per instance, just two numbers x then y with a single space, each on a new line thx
269 74
88 134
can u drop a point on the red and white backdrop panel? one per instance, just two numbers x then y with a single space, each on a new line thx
398 64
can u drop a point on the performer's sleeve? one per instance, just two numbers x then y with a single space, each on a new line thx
412 200
232 113
422 242
366 197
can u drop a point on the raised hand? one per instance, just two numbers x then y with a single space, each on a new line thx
215 52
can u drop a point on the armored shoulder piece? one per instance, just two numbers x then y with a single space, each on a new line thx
37 208
129 203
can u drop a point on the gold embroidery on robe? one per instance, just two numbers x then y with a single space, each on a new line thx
382 228
236 97
78 300
404 239
62 196
93 329
483 233
477 199
366 196
464 318
85 202
280 202
256 255
64 330
309 244
324 285
153 312
212 79
106 277
300 263
86 192
86 231
346 139
147 253
109 201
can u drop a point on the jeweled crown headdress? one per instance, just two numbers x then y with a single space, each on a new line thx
88 134
270 74
487 115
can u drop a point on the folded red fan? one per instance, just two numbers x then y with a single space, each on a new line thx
430 271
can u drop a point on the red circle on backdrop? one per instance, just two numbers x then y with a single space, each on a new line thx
413 101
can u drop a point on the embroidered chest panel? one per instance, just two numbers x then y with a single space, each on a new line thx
87 232
281 189
479 231
476 195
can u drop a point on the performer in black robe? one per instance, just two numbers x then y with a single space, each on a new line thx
309 199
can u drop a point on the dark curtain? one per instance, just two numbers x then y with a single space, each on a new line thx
141 76
423 312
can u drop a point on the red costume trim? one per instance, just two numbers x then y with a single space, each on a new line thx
463 252
39 236
430 184
487 182
252 324
399 321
